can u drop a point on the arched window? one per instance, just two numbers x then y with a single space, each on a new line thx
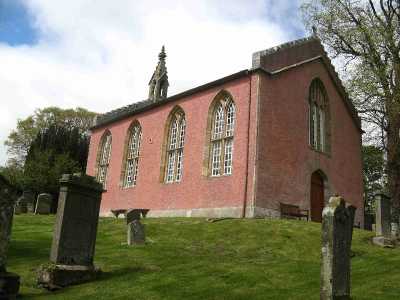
221 135
103 158
131 160
319 117
174 146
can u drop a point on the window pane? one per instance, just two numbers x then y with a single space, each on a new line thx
219 119
170 166
179 165
315 126
173 135
135 171
228 157
182 133
129 173
230 119
216 158
322 129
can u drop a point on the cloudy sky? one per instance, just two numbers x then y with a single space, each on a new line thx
100 54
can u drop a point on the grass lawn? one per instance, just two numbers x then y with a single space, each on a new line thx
194 259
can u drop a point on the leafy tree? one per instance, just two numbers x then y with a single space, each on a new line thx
13 172
365 36
20 139
373 173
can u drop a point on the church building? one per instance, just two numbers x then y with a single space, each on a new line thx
283 131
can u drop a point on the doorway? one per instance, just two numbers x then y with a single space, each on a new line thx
317 196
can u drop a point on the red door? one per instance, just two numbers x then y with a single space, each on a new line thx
317 197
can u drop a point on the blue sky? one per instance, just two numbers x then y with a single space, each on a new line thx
16 25
99 54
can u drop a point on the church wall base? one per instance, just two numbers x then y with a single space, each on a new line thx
219 212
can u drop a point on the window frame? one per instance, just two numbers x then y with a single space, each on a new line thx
134 136
102 164
223 138
174 144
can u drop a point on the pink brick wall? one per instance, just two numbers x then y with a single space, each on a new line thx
285 159
195 190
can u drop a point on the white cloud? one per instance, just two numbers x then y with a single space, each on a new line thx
100 54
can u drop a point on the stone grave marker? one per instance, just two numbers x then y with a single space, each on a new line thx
9 282
75 231
25 203
136 232
383 218
337 232
43 204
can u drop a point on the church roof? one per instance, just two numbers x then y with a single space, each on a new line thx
271 61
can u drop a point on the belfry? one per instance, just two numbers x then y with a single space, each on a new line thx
158 85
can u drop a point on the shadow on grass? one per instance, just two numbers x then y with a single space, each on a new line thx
32 249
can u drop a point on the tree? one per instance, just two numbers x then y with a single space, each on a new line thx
20 139
373 173
365 36
55 151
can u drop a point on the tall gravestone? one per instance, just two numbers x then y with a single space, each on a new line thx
382 223
9 282
337 232
74 239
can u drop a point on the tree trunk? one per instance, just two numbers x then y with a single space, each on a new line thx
393 165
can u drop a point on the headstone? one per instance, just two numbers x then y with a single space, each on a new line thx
75 231
136 233
383 218
9 282
43 204
337 232
25 203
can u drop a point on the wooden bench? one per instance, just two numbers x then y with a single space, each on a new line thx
293 211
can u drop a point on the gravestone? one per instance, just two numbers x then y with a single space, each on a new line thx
9 282
136 233
74 239
383 218
43 204
25 203
337 232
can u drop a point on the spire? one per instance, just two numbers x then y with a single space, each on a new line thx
158 85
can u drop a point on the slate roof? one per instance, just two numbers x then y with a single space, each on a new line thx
258 57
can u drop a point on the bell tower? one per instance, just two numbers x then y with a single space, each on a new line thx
158 85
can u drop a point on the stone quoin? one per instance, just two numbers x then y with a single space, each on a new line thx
283 131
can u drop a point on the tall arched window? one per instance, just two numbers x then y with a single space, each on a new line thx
103 158
221 135
174 146
131 157
319 117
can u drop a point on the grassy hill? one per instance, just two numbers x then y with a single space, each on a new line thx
195 259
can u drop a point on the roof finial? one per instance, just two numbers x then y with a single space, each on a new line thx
162 54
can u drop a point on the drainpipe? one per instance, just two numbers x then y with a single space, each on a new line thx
247 152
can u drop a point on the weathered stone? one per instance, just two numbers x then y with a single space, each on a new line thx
135 214
76 222
9 282
75 231
43 204
383 232
54 277
382 215
136 233
337 231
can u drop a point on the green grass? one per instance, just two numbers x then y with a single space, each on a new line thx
195 259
